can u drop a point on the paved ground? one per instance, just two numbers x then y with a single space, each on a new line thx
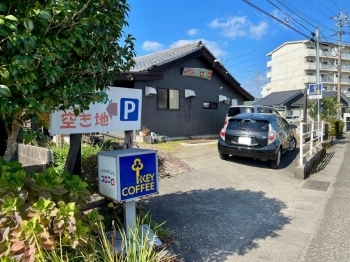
241 210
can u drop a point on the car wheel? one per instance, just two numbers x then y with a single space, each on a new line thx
275 163
223 156
292 144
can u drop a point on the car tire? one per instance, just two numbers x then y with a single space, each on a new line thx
223 156
292 144
275 163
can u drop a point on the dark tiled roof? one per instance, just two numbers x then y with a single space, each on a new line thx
143 63
277 98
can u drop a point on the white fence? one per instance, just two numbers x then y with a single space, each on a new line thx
312 132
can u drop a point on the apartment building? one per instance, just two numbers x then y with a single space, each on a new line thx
293 67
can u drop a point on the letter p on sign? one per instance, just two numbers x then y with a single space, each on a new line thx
129 109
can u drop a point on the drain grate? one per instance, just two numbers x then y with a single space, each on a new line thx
316 185
324 162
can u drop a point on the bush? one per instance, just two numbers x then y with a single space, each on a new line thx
336 127
39 211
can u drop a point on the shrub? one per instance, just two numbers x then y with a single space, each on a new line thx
336 127
39 211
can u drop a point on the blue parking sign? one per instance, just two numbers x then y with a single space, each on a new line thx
129 109
315 91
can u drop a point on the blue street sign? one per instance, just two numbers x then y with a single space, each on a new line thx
315 91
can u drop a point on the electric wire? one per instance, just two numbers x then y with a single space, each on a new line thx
324 5
227 59
297 12
335 4
275 18
287 14
306 1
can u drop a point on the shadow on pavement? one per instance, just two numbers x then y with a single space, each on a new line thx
286 161
211 225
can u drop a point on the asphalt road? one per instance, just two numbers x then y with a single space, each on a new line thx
241 209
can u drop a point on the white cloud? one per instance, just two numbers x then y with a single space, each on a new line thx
239 26
212 46
152 46
257 31
192 32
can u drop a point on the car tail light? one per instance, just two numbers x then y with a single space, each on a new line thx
223 133
272 135
225 123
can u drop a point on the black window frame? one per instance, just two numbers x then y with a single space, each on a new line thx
168 101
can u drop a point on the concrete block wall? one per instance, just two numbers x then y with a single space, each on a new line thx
33 155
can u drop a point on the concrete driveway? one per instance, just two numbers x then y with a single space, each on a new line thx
240 209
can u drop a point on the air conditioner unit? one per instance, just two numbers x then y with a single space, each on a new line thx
149 91
222 98
189 93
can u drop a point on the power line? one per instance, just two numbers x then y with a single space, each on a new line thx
286 14
306 1
323 5
227 59
266 13
297 12
335 4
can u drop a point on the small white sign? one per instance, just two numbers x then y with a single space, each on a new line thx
121 112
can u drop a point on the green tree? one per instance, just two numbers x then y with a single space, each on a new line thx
329 105
58 54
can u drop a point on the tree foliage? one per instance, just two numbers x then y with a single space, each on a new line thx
59 54
329 107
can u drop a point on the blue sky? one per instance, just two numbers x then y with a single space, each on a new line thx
234 31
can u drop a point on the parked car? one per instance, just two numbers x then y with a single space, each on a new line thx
259 136
293 119
235 110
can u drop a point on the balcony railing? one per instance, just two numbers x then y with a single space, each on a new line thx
327 79
327 66
345 68
346 56
345 80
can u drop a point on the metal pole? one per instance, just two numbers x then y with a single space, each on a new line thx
304 130
318 71
339 75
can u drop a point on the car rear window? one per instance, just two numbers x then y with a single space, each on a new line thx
238 110
249 124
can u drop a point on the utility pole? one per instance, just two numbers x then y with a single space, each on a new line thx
257 80
342 20
318 70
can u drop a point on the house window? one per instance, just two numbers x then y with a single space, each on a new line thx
309 74
168 98
210 105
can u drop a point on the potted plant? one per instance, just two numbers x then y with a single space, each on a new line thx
145 131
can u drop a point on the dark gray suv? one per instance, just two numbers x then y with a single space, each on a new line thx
260 136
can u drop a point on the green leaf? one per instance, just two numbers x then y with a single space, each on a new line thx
45 15
30 100
3 7
11 17
13 69
76 111
85 21
4 73
48 41
3 31
5 91
28 24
